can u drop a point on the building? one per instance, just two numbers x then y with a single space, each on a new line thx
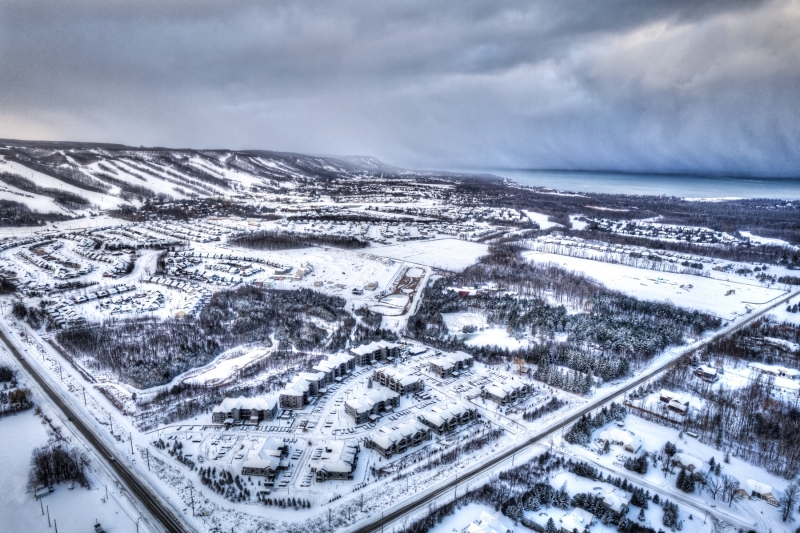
615 502
487 523
450 364
689 462
505 392
774 370
272 456
335 367
245 410
335 460
753 489
620 437
442 419
295 395
675 401
368 407
576 520
399 382
383 351
389 441
707 373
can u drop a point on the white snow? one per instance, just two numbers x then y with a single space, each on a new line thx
706 294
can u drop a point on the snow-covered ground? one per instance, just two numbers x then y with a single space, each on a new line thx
541 219
760 515
447 254
706 294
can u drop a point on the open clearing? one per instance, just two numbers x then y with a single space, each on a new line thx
705 294
447 254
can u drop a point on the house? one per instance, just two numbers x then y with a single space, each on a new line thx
450 364
753 489
576 520
675 401
620 437
247 410
399 382
707 373
388 441
272 456
368 406
488 523
689 462
504 392
615 502
442 419
335 460
382 350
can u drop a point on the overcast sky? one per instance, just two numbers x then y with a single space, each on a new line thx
614 84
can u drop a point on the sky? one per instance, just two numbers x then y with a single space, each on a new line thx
629 85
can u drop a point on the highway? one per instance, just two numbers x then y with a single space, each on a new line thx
162 512
427 496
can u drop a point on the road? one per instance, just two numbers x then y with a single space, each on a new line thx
158 509
427 496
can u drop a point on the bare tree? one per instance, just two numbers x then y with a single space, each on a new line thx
730 486
790 496
714 486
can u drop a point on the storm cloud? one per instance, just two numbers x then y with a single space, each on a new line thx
615 85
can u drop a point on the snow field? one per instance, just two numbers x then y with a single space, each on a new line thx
707 294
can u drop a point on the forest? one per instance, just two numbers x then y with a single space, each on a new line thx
145 352
277 240
610 336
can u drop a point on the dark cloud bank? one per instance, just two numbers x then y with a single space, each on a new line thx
618 84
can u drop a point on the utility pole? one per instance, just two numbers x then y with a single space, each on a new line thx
55 524
148 458
84 396
42 505
110 423
130 438
48 516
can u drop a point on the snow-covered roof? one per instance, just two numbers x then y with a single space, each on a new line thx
368 401
386 436
439 416
577 519
488 523
710 370
688 460
259 404
337 456
620 436
751 486
614 501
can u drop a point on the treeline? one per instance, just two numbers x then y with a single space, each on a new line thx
553 405
15 214
57 463
746 254
613 335
768 218
581 431
278 240
65 198
146 351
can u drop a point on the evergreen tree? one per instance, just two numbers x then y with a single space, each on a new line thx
641 515
551 526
